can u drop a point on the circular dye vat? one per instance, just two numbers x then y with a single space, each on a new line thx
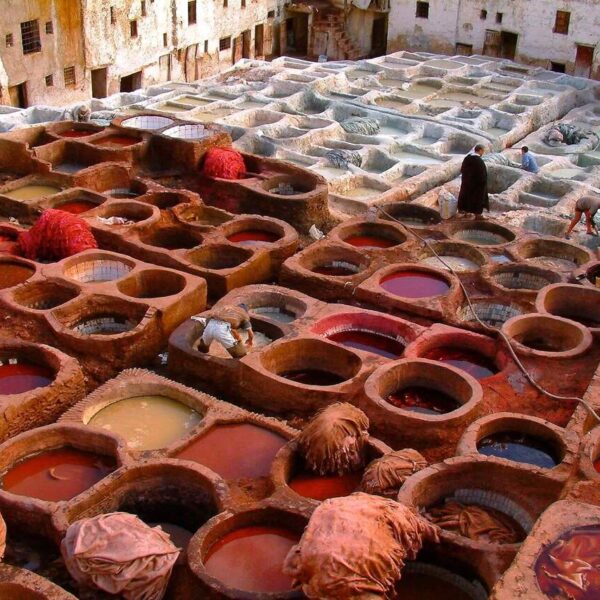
57 475
147 422
473 363
32 192
17 378
251 237
251 559
117 141
368 341
369 241
336 269
519 447
414 284
76 133
104 325
323 487
77 206
457 263
236 451
423 400
570 566
312 377
12 274
121 193
421 581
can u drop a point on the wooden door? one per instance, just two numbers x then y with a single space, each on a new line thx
583 61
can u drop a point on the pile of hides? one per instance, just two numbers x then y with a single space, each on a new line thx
56 235
355 547
361 125
565 133
119 554
224 163
342 158
386 475
334 440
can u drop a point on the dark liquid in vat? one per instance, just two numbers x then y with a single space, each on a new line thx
423 400
369 341
412 284
312 377
426 586
519 447
335 270
474 363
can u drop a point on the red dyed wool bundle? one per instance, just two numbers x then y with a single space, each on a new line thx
225 163
56 235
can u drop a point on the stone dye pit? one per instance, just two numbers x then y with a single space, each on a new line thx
109 402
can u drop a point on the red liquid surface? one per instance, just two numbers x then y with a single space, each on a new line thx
369 341
312 377
369 241
597 465
251 559
253 236
423 400
235 451
570 567
11 275
322 487
77 206
57 474
412 284
117 141
75 133
477 365
334 271
23 377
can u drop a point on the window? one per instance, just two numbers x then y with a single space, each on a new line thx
69 74
561 24
422 10
113 16
243 3
143 6
205 46
30 37
165 40
49 27
483 15
557 67
499 17
192 12
224 3
133 29
271 14
49 80
225 43
9 40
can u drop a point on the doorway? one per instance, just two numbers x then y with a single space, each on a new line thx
583 61
132 82
297 34
379 36
259 41
99 83
509 43
246 40
18 95
492 43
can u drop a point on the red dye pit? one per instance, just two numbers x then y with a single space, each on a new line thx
23 377
570 567
251 559
251 237
235 451
414 284
423 400
57 475
597 465
369 241
322 487
312 377
77 206
75 133
335 270
475 364
116 141
369 341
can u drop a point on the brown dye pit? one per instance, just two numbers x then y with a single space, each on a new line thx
12 274
412 284
541 341
519 447
56 475
473 363
570 567
253 237
423 400
116 141
369 241
147 422
368 341
251 559
235 451
17 378
76 133
312 377
323 487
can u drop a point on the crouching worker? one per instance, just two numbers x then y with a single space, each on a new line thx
224 326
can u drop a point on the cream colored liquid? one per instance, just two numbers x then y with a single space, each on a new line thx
361 192
32 192
195 100
147 422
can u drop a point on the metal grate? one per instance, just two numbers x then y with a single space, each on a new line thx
69 74
30 37
225 43
97 271
187 132
149 122
9 40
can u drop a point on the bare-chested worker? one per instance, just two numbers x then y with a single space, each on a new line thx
588 206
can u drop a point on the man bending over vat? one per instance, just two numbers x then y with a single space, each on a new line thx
588 206
227 325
